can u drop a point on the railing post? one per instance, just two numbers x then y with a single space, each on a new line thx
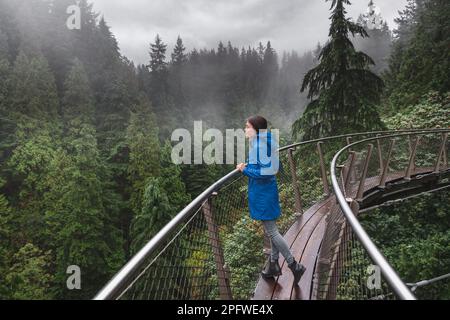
326 188
213 232
445 152
349 141
380 156
412 160
442 154
359 195
295 184
350 169
386 166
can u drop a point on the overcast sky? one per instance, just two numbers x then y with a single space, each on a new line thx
288 24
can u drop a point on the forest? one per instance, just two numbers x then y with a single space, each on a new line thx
86 176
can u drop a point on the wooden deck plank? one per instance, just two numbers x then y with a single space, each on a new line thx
309 259
298 247
266 287
305 238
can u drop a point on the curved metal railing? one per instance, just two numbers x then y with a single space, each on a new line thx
210 249
364 180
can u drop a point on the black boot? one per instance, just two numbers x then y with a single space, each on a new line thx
272 269
298 270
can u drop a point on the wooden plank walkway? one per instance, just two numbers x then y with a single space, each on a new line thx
305 238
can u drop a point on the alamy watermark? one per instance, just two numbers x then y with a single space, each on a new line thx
374 278
234 143
74 280
73 22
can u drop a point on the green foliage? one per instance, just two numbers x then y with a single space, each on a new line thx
5 236
155 213
144 150
420 60
33 89
244 256
80 216
433 111
414 237
28 278
30 165
78 99
171 179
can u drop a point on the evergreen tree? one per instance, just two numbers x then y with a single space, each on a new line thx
177 78
78 102
5 243
178 56
420 63
158 92
81 211
379 41
155 213
33 89
29 277
171 179
7 124
158 65
343 90
144 153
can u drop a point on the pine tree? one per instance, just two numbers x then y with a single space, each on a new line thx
144 151
5 243
158 92
178 56
33 90
33 104
155 212
379 41
29 277
158 65
7 124
81 210
78 99
177 79
81 216
171 179
342 89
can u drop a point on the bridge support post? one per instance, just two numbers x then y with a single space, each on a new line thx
348 173
349 141
380 156
326 188
442 154
213 235
359 195
386 165
412 159
295 184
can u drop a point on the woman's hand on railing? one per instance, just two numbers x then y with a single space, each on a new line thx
241 167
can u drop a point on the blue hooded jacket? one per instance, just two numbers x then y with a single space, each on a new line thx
263 198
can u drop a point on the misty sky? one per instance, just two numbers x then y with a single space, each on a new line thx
288 24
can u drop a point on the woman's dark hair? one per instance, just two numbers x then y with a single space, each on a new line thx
258 122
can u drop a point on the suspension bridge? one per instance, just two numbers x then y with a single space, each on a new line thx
212 250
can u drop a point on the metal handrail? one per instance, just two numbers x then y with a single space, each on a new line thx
388 272
120 281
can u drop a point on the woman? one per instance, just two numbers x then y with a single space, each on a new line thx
263 194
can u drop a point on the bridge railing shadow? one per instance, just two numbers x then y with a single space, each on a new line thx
213 250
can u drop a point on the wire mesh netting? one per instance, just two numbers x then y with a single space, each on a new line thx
344 268
217 251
